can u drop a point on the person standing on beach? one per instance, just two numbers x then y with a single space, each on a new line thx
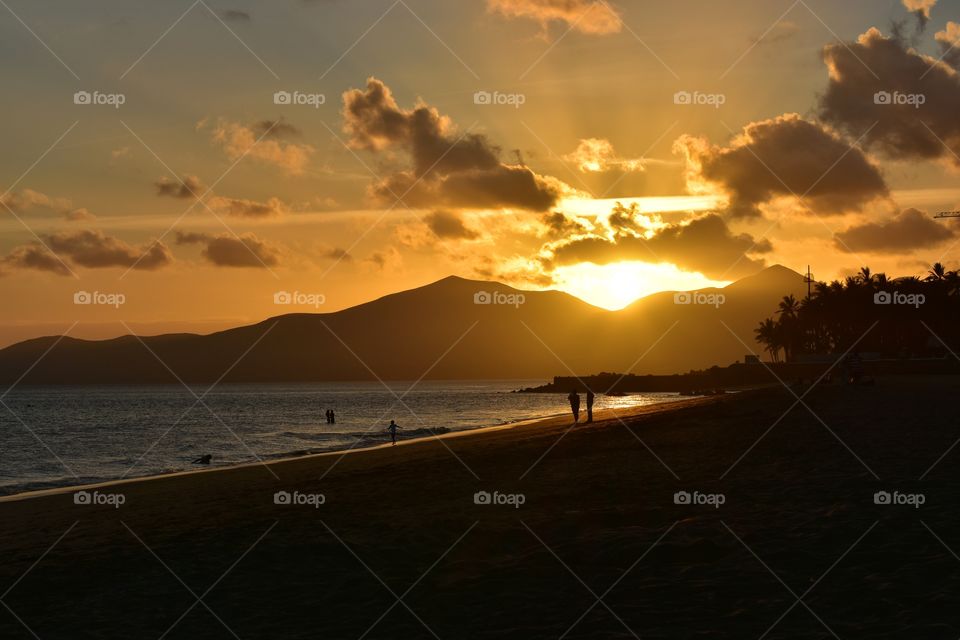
333 417
574 399
393 431
589 405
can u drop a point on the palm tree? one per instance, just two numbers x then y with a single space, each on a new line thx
767 335
937 274
865 276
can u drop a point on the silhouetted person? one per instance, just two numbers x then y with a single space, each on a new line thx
333 417
204 459
574 399
589 405
393 431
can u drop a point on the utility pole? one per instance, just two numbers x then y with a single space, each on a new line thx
808 278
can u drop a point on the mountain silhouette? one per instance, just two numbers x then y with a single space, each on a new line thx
451 329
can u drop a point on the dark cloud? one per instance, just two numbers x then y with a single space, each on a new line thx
782 157
907 130
233 251
235 15
186 187
909 230
94 250
275 129
33 256
920 10
462 171
594 17
705 244
448 225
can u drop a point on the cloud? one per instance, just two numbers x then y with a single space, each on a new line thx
241 208
235 15
557 225
447 225
908 230
782 30
781 157
238 140
594 17
94 250
901 131
921 10
275 129
448 169
597 155
705 244
949 39
186 187
226 250
27 199
33 256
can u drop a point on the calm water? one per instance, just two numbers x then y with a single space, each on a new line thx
58 436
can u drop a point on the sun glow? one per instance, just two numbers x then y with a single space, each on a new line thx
614 286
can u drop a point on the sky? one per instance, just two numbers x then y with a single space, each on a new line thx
181 166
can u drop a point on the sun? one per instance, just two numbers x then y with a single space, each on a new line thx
614 286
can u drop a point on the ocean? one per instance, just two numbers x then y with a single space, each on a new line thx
64 436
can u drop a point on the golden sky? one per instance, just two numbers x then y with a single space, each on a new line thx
193 160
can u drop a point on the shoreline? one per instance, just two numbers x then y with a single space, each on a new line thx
600 417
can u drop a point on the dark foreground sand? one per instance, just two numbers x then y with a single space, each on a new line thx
798 549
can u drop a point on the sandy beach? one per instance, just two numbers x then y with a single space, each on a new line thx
582 535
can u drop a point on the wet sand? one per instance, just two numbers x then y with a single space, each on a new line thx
598 519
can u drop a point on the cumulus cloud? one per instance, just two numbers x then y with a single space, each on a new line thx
186 187
448 169
33 256
921 10
237 139
597 155
907 130
95 250
242 208
594 17
448 225
27 199
705 244
908 230
948 39
783 157
227 250
275 129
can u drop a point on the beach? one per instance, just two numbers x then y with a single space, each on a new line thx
742 515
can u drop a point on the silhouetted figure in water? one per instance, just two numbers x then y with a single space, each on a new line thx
204 459
574 399
333 417
393 431
589 405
